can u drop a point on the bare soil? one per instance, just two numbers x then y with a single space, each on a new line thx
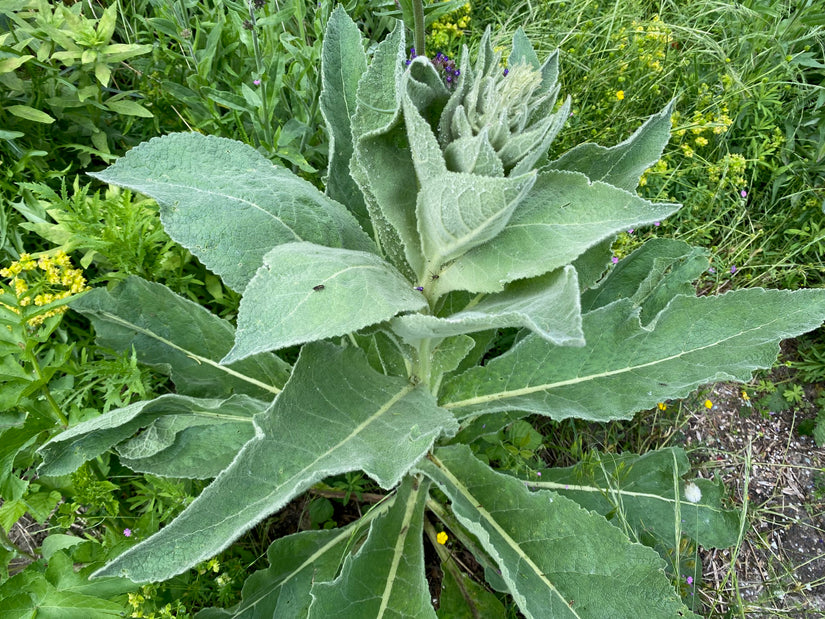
779 568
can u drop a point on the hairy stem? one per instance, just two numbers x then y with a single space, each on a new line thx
419 34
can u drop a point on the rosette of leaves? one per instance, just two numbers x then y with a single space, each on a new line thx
444 221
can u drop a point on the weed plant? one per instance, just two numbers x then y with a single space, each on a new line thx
81 83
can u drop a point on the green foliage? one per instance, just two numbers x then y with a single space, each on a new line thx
475 229
745 158
58 65
241 70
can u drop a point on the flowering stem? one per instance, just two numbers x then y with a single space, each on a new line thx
259 66
419 34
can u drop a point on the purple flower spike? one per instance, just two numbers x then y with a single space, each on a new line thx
506 71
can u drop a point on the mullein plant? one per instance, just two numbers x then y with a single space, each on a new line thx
444 222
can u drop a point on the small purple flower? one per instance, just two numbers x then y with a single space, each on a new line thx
420 288
743 193
689 580
538 473
615 260
733 269
630 231
711 270
256 82
127 532
657 223
506 71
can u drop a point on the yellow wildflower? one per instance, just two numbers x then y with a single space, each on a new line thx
620 95
708 404
442 537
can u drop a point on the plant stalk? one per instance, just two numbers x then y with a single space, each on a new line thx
419 33
259 65
44 389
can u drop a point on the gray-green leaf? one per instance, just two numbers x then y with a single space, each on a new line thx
562 216
342 65
385 578
231 418
382 165
335 414
625 367
548 306
306 292
557 559
295 562
178 337
621 165
651 276
228 204
647 494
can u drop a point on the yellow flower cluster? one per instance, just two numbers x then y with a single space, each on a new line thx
696 130
650 40
714 120
659 168
140 603
730 167
41 281
448 29
641 49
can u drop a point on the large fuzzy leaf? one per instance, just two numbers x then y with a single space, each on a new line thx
385 578
180 338
295 563
651 276
382 165
343 63
557 559
562 216
306 292
183 436
548 306
335 414
621 165
228 204
625 367
463 598
647 493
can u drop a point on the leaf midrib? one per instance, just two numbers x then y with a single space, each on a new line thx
502 395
